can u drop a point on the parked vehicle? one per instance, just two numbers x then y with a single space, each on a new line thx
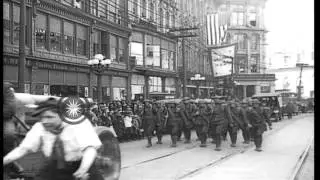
274 102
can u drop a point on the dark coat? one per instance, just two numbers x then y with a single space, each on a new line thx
219 115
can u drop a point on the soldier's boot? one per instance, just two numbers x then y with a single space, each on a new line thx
174 141
149 142
246 138
159 139
218 143
187 135
258 142
179 136
203 141
233 140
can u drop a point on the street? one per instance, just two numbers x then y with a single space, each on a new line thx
282 148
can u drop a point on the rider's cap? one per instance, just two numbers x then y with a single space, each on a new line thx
50 104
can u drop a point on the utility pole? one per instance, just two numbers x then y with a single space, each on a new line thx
301 65
22 41
183 35
184 66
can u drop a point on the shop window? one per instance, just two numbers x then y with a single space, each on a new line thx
137 51
96 40
113 48
68 37
6 22
41 31
122 47
81 40
155 84
265 89
55 34
16 24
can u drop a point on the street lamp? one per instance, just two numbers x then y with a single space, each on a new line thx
98 64
197 78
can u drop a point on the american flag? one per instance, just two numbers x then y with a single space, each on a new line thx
216 30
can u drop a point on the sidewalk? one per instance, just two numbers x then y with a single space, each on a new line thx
281 152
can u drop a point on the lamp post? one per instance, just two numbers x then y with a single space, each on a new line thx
98 64
197 78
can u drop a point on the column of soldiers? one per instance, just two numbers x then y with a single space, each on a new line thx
213 119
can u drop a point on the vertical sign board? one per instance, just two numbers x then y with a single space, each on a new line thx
46 89
86 92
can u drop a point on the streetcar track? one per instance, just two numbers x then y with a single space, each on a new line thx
224 158
211 164
303 156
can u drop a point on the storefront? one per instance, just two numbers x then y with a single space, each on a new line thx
119 88
137 85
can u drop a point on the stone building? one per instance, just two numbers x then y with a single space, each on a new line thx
245 26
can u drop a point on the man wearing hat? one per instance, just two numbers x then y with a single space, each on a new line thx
70 153
188 121
160 120
235 122
148 120
174 121
258 123
266 112
243 115
202 116
218 122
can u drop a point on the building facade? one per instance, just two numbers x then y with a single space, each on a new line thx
245 27
152 49
289 78
62 35
194 53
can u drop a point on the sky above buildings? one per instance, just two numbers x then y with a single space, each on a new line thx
291 29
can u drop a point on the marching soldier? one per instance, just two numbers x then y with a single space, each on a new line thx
258 123
188 121
174 122
160 121
218 122
202 116
243 114
148 121
233 115
266 111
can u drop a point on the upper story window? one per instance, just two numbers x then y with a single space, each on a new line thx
151 13
41 31
6 22
237 18
55 34
167 20
255 39
144 8
173 24
82 40
113 48
135 7
96 41
161 17
122 47
94 7
16 24
68 31
153 51
252 21
242 41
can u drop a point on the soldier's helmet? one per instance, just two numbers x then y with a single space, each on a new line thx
255 101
